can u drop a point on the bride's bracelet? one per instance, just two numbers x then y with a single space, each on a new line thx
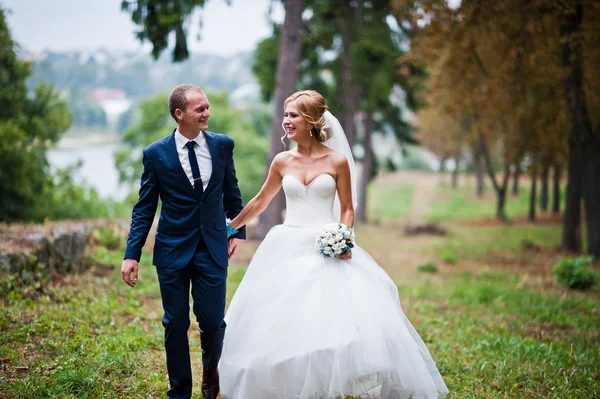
231 231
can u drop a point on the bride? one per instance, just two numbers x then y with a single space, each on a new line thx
305 326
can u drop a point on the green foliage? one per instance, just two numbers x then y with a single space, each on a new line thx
69 200
427 268
86 112
264 64
155 122
126 120
159 19
29 124
111 238
449 257
575 273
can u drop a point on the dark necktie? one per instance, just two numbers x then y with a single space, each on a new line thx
194 165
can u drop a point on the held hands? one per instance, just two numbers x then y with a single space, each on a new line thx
232 243
129 266
232 246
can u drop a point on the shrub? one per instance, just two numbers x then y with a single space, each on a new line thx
428 268
575 273
449 257
110 237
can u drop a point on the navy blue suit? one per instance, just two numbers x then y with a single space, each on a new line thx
190 248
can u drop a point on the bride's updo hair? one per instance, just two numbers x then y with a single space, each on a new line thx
311 106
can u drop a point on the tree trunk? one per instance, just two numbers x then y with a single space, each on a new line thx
556 189
479 174
591 198
443 161
584 142
533 194
500 205
500 189
285 84
544 188
571 237
367 170
516 175
349 90
455 171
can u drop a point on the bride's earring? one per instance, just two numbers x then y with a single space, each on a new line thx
310 132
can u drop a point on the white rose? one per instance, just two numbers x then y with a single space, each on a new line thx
331 241
339 237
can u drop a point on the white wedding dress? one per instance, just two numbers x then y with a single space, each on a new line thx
304 326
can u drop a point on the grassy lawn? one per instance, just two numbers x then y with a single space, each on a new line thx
461 203
493 339
491 243
90 337
495 321
389 202
94 337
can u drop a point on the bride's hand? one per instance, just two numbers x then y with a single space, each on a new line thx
347 255
232 245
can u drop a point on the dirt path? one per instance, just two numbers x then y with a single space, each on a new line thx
425 184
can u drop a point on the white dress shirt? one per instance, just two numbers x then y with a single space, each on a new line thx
202 155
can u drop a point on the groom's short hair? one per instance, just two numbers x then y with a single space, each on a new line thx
178 97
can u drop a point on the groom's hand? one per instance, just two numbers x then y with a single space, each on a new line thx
232 246
129 266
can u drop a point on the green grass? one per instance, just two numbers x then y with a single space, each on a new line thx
91 338
491 335
389 201
461 204
484 243
493 339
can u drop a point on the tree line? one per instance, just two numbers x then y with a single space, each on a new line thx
346 50
510 82
32 120
514 84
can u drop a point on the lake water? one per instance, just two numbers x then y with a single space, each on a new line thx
98 168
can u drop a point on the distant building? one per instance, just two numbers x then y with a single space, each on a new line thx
105 93
113 101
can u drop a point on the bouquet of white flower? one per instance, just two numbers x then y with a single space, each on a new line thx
334 240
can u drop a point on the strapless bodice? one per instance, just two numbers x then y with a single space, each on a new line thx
309 205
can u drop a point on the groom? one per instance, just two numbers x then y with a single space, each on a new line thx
192 172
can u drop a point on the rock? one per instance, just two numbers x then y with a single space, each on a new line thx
56 247
427 228
70 245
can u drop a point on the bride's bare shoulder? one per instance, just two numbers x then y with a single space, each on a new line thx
281 160
337 159
283 156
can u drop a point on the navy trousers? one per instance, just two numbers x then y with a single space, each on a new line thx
207 280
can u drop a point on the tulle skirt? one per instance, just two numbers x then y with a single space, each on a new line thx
304 326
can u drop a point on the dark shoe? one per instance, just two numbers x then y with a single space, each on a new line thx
210 385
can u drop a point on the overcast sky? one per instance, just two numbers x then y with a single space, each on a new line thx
88 24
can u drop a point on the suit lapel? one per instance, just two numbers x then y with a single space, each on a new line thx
214 154
173 157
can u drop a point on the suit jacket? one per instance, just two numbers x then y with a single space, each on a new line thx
185 217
